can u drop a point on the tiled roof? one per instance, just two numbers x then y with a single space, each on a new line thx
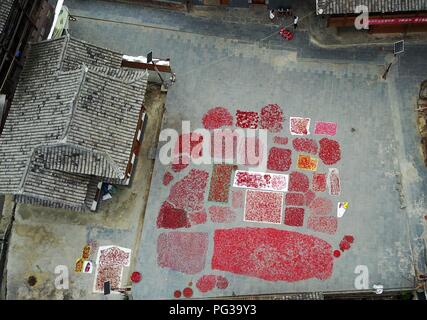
74 116
79 52
375 6
39 113
99 135
5 8
59 202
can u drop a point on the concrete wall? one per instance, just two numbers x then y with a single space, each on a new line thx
153 77
6 216
239 3
1 205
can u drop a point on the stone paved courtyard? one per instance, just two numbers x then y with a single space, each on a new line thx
372 124
382 175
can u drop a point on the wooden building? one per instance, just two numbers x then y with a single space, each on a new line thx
76 121
20 22
385 16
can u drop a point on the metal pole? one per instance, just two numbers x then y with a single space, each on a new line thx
158 72
384 76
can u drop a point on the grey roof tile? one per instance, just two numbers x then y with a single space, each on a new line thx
5 9
71 123
53 203
39 114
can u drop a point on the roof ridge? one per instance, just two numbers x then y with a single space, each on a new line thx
64 51
74 103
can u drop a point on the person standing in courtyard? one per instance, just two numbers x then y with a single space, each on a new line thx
296 18
272 15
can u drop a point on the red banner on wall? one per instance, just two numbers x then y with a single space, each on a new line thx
397 21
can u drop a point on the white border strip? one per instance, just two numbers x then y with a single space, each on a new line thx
262 221
268 188
97 266
299 134
58 9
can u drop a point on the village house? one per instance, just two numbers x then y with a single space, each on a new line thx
386 16
20 22
75 122
374 6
